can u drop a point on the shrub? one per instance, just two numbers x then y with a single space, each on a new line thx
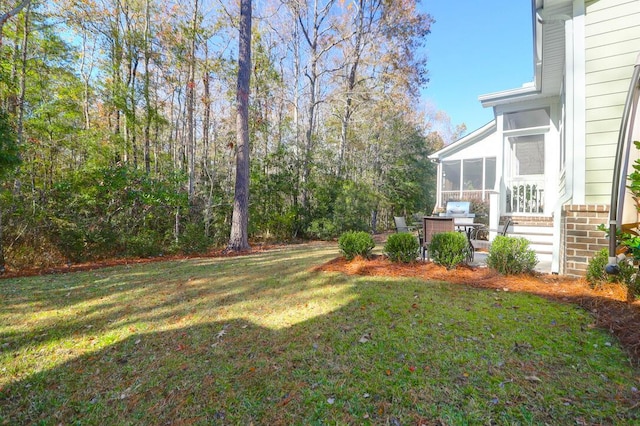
194 239
448 249
402 247
511 255
597 276
144 244
356 243
322 229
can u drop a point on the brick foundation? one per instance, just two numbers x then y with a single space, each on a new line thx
581 238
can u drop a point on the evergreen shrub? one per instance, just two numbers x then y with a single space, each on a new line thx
511 255
144 244
597 276
448 249
356 243
402 247
194 240
322 229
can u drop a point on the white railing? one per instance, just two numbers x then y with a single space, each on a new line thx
464 195
525 196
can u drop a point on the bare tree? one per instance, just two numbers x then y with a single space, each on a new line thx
239 223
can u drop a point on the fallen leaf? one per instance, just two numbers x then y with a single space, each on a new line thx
365 338
533 379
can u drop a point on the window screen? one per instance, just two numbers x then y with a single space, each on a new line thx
451 175
528 155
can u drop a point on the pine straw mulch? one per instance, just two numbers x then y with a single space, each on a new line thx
608 304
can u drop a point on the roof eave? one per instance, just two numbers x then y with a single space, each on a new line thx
508 96
529 90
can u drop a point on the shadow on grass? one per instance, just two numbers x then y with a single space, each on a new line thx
381 351
82 304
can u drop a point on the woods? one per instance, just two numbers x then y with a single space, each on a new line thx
125 113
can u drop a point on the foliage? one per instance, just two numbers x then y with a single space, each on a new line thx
122 150
356 243
448 249
147 243
322 229
9 152
511 255
150 344
402 247
596 274
194 239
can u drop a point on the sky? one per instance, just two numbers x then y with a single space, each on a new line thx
476 47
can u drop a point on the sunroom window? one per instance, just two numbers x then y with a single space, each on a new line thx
528 155
468 179
526 119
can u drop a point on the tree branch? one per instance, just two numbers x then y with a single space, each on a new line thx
10 14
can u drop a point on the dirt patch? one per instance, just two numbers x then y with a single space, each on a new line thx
608 304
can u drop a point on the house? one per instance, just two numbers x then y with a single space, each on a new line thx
546 160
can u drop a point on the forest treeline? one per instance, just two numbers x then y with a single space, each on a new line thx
117 123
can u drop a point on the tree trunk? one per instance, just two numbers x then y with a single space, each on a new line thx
147 82
23 76
191 150
239 239
351 84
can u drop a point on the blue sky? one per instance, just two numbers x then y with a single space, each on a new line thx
476 47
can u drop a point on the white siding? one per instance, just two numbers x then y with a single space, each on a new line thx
487 147
612 39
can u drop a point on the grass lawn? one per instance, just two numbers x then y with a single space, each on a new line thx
264 340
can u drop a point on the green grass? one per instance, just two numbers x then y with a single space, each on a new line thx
262 339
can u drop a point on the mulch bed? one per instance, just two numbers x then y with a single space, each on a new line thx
608 304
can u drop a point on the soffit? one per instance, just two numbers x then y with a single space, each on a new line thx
548 19
551 20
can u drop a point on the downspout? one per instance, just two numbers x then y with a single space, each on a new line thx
569 136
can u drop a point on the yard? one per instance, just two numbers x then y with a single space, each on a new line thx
293 336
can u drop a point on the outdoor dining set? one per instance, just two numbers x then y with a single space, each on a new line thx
456 217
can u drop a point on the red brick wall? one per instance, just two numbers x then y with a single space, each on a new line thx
581 238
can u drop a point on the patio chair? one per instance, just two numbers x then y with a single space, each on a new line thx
401 224
484 230
431 226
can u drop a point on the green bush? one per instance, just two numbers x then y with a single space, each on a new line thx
449 249
511 255
356 243
402 247
596 275
322 229
69 239
194 239
144 244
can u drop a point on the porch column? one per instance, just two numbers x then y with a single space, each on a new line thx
494 214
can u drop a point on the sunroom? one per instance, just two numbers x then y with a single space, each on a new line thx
467 167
